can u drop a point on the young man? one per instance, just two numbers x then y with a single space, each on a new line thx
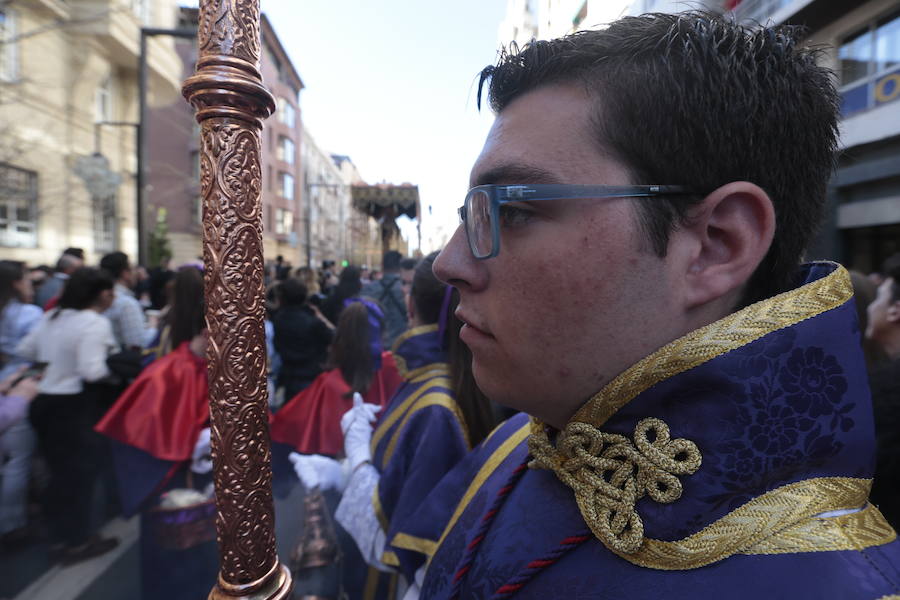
628 268
126 313
50 289
388 291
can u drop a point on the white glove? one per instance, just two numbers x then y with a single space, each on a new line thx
360 409
357 427
315 470
201 459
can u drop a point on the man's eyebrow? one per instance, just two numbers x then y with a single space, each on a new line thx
516 174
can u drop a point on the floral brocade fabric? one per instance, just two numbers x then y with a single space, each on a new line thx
791 405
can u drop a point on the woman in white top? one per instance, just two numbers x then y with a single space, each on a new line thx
74 340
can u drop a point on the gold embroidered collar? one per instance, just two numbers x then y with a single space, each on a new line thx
609 473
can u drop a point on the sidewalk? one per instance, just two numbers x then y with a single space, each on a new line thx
71 583
30 575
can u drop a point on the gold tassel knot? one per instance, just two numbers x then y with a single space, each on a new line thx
609 473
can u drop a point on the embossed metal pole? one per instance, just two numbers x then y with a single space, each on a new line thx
231 104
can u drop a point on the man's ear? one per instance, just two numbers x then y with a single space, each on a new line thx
730 231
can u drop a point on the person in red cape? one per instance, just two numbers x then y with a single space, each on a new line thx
160 432
165 409
310 421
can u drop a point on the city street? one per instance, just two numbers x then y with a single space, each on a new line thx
29 575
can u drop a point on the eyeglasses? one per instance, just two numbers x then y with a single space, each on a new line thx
481 212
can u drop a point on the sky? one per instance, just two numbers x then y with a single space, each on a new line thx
392 84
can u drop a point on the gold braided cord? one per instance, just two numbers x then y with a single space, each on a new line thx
610 473
762 518
890 597
854 531
706 343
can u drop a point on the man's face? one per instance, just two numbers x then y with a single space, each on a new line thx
76 264
884 314
575 296
128 276
406 277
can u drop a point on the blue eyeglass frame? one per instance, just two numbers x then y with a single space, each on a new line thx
504 194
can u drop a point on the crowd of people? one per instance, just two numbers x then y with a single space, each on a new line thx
104 378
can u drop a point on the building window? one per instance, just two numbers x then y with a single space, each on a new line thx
870 65
286 112
285 150
18 207
8 46
284 221
286 186
104 223
141 9
103 110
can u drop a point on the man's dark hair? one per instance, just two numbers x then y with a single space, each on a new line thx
76 252
292 292
892 272
391 261
114 263
696 100
11 271
187 313
350 351
408 264
67 263
891 263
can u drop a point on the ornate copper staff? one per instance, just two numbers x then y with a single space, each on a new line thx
231 104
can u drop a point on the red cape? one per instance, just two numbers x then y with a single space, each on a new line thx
163 411
311 420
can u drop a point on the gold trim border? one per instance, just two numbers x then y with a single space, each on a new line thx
432 399
486 470
855 531
724 335
430 370
412 332
396 414
404 541
762 523
379 511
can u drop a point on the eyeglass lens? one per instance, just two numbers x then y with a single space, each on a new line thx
478 220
